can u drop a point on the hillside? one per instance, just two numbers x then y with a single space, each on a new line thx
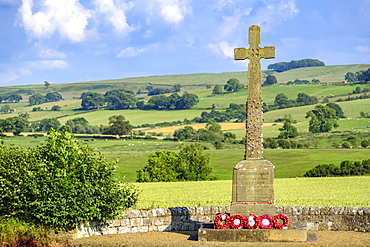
199 84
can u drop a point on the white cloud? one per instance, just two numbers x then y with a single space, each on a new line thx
48 64
275 12
130 52
9 76
51 54
174 11
6 77
222 48
67 17
363 48
231 22
115 15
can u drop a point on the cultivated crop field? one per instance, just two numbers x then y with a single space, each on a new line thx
325 192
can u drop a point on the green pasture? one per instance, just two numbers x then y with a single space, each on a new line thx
323 73
325 192
133 155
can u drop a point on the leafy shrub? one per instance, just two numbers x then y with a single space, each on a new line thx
60 184
167 166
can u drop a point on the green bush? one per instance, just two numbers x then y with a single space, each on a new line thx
167 166
60 184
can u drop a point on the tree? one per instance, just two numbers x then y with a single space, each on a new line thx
162 167
36 99
194 165
284 66
337 108
118 125
56 108
45 124
189 165
120 99
52 97
350 77
364 76
217 89
187 101
60 184
233 85
270 80
288 130
306 99
177 88
25 115
365 143
158 102
47 84
16 125
281 100
91 100
14 98
322 119
6 109
186 133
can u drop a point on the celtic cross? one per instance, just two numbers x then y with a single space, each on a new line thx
254 122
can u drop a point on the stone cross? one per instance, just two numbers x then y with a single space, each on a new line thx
253 177
253 145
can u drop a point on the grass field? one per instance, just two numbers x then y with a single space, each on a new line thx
133 155
326 192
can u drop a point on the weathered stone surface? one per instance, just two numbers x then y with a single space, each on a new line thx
247 235
310 218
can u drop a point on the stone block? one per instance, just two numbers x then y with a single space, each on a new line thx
247 235
134 213
367 211
142 228
296 210
125 222
116 223
122 229
144 213
325 210
192 210
136 222
305 210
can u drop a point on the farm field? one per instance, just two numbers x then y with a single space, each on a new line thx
333 192
133 155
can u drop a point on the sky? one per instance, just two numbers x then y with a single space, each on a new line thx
66 41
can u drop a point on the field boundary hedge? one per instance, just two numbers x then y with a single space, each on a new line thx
192 218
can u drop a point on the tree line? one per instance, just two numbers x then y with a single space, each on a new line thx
124 99
362 76
346 168
294 64
117 125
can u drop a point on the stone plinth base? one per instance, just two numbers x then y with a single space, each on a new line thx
259 209
207 233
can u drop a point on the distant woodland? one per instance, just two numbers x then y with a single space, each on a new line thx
294 64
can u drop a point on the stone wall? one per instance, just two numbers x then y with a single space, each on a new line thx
191 219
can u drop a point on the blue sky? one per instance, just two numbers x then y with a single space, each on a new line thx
64 41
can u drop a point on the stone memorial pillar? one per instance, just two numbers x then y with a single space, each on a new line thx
253 177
